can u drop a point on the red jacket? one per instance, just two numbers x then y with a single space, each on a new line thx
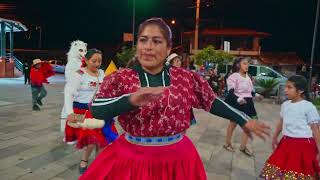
37 77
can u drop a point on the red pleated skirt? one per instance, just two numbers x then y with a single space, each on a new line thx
123 160
294 158
85 137
70 133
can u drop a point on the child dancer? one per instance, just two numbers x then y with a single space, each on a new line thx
296 156
240 96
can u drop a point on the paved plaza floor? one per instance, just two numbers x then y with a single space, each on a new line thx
31 144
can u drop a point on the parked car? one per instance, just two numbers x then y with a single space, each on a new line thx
260 72
266 73
58 66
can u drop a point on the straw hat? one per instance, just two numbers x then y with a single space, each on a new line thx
36 61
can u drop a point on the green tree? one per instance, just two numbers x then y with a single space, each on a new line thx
212 56
125 55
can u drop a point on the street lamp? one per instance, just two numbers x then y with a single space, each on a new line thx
133 20
313 45
40 35
173 22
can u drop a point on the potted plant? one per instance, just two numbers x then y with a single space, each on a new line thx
267 85
126 54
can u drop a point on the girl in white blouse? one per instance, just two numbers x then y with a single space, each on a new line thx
296 156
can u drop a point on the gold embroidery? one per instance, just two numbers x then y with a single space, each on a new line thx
275 173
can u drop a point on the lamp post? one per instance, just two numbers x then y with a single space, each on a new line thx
40 35
133 20
313 45
196 33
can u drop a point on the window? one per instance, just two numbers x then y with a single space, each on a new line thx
222 69
252 70
229 68
267 72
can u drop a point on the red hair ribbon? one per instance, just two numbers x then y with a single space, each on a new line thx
83 60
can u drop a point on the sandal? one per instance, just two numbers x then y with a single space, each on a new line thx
228 147
246 151
83 169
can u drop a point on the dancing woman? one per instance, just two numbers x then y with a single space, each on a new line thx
79 92
154 104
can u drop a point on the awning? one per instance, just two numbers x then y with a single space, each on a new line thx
281 59
16 26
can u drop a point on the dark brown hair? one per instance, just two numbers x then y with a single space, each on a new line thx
89 54
300 83
164 28
237 64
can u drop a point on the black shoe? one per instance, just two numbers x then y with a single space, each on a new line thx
83 169
35 108
39 102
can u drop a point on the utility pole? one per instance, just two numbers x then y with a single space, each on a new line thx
196 33
133 20
40 35
313 45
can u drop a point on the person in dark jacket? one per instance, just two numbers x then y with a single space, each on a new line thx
26 72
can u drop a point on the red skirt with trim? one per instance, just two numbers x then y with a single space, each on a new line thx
125 161
70 133
294 158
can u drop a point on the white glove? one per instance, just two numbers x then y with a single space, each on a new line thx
92 123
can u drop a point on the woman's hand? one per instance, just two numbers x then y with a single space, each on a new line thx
274 143
259 97
258 128
145 95
72 118
241 101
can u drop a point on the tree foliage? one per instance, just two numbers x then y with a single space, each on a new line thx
211 55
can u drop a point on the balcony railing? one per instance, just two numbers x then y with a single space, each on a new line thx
244 53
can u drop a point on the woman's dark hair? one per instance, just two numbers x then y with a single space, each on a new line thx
300 83
89 55
91 52
236 64
132 62
164 28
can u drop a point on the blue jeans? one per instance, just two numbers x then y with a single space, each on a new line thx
38 93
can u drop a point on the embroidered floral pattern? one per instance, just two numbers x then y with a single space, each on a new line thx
271 172
168 116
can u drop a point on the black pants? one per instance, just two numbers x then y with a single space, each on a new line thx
26 78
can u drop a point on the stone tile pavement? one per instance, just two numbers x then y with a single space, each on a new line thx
31 146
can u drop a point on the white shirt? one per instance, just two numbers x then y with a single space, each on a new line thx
81 88
297 118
